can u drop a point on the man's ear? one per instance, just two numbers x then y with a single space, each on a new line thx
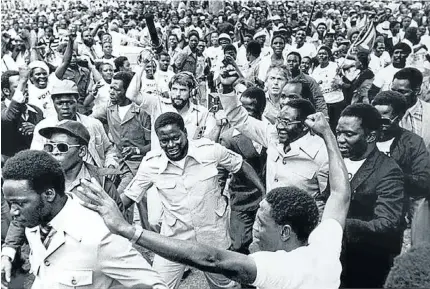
83 151
372 137
49 195
285 233
185 131
6 91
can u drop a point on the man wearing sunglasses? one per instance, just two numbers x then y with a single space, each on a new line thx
64 94
68 144
405 147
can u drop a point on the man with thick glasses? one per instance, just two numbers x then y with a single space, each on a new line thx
68 144
295 157
405 147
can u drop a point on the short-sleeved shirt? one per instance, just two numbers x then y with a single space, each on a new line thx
194 207
316 265
42 97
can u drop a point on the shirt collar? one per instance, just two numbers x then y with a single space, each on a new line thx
306 144
416 109
83 174
192 152
63 221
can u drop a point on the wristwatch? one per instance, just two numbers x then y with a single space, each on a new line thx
137 233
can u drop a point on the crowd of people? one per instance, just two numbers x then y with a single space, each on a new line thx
270 144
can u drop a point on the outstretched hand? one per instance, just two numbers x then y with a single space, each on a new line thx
96 199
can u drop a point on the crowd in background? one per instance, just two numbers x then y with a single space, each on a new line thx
100 84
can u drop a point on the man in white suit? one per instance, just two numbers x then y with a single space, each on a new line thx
70 244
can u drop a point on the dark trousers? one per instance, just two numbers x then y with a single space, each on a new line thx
241 223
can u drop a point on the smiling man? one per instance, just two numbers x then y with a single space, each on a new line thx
295 157
185 173
290 257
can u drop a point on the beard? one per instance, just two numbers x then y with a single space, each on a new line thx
180 105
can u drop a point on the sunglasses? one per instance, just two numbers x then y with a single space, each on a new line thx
61 147
387 121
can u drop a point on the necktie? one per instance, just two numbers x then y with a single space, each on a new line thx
46 233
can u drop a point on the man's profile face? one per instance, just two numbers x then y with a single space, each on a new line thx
390 120
70 158
116 91
403 86
275 82
180 95
26 205
266 233
13 84
351 137
66 106
173 141
251 107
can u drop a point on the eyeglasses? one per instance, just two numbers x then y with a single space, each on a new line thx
286 123
388 121
62 147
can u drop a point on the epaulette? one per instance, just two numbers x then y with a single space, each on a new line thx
203 142
152 154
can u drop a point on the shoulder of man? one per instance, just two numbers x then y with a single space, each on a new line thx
203 142
152 155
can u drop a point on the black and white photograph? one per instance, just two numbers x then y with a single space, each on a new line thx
215 144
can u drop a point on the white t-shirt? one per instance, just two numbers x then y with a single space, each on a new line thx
324 77
377 63
162 79
352 167
384 77
384 146
122 111
42 97
308 49
314 266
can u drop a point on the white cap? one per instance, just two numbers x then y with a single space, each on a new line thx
224 36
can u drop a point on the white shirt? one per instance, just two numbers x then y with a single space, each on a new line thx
384 77
352 167
377 63
308 49
314 266
384 146
42 97
162 79
324 77
122 110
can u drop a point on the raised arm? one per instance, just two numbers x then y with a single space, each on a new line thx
61 69
236 266
337 205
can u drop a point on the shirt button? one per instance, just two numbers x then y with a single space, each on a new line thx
74 282
47 263
276 180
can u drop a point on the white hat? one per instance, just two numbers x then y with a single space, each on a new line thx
224 36
259 34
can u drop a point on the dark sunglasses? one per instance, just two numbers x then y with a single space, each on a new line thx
61 147
387 121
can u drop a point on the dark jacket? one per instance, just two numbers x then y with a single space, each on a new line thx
12 140
16 233
409 151
375 222
244 196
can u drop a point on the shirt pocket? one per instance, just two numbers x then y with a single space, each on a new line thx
305 172
75 278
